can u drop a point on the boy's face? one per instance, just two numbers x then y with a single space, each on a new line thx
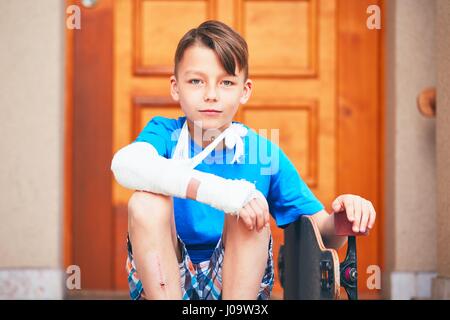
203 84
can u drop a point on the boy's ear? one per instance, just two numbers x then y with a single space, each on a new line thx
248 85
174 89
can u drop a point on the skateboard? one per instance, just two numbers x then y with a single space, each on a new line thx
308 270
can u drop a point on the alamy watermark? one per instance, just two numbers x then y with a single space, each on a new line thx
374 280
263 150
73 281
73 21
374 20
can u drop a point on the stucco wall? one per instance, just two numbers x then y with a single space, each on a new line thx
31 137
443 137
410 245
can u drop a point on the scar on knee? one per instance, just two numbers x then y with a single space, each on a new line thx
155 263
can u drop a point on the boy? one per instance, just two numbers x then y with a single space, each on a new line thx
199 224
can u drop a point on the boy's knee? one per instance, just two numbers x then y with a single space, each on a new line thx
146 207
240 231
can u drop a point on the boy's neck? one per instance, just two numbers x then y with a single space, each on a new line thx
203 139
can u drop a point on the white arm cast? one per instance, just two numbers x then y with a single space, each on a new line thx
138 166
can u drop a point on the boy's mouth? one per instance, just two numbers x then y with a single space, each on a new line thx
211 112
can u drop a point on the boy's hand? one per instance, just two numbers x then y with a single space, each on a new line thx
255 214
359 211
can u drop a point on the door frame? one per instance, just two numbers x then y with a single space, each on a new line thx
88 218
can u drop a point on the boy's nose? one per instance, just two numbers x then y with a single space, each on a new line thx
211 94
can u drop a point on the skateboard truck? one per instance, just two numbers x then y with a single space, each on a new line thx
348 267
349 271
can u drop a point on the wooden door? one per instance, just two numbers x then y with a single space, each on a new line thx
298 90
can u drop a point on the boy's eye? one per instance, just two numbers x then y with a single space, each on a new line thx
195 81
227 83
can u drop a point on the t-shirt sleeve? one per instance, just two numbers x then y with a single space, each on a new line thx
289 197
157 132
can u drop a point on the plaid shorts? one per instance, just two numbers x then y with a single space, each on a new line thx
201 281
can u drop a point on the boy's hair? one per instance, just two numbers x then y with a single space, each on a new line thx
229 46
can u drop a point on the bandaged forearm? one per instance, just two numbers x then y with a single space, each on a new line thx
138 166
224 194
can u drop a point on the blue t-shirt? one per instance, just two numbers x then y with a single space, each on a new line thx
264 163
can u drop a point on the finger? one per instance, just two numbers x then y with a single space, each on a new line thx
337 205
259 222
350 210
266 216
263 204
365 215
373 215
251 214
245 216
357 213
267 219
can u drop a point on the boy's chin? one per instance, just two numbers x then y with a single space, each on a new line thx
212 124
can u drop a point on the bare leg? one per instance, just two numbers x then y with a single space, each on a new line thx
246 254
155 247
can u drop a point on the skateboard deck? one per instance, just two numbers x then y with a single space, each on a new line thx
308 270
